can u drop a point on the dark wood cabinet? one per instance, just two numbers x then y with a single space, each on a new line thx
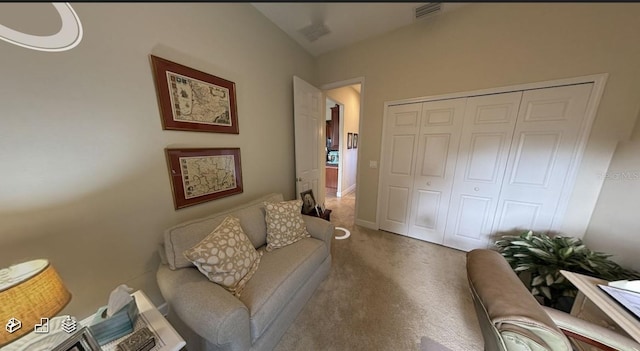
332 179
333 129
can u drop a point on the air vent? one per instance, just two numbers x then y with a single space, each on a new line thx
428 10
314 31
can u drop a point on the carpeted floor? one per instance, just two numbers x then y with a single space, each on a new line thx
386 292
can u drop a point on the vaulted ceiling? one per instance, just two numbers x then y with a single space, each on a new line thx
346 23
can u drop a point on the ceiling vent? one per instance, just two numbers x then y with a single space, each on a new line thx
427 10
314 31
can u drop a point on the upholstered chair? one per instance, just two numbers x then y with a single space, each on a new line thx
511 319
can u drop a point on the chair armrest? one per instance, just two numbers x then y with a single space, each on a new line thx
320 229
588 332
205 307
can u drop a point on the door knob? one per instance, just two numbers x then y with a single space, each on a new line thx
428 183
299 179
476 189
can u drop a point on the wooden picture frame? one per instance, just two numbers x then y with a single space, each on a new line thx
203 174
193 100
349 140
82 340
355 140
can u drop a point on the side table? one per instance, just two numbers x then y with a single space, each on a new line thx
167 339
326 215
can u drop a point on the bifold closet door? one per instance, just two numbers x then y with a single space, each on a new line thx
438 141
487 130
543 149
397 169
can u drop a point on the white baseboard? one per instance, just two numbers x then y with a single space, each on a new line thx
348 190
367 224
164 309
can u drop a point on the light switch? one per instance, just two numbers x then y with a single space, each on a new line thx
373 164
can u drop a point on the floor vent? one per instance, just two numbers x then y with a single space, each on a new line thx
428 10
314 31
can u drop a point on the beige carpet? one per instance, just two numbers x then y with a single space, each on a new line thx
386 292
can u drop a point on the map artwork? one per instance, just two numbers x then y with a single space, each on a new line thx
204 175
196 101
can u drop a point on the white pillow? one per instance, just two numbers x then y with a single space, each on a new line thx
285 225
226 256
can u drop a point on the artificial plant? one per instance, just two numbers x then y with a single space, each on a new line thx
543 256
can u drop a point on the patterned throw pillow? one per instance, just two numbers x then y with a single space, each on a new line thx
226 256
285 225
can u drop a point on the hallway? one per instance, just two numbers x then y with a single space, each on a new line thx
342 210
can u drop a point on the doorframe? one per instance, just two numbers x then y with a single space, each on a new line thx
599 81
340 84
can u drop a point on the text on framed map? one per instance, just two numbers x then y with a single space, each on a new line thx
203 174
193 100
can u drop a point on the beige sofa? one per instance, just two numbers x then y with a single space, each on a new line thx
211 318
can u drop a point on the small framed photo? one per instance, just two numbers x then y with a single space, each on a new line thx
309 205
349 140
193 100
355 140
203 174
82 340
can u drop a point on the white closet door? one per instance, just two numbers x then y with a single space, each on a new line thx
399 149
439 138
542 152
482 157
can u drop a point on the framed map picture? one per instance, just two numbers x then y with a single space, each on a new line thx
193 100
201 175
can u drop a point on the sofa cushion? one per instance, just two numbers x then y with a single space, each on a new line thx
285 225
184 236
226 256
281 273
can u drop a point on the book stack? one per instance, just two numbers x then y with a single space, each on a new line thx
141 340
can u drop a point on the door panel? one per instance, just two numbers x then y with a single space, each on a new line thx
489 122
429 203
439 137
544 145
309 126
534 159
399 145
484 160
402 154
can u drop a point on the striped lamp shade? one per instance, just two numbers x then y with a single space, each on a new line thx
28 292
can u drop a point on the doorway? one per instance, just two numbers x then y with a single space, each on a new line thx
341 172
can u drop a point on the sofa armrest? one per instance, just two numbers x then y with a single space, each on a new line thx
205 307
319 229
588 332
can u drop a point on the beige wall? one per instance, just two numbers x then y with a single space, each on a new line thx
492 45
350 99
614 225
84 180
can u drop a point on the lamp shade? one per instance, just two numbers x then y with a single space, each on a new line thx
28 292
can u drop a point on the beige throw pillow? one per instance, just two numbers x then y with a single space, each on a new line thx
226 256
285 225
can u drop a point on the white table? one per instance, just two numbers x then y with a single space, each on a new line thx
589 287
167 339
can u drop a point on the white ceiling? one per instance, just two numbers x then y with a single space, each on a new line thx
348 22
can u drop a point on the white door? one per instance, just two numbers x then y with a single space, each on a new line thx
439 138
398 149
487 131
542 151
309 124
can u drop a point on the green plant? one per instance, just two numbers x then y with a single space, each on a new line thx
543 257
